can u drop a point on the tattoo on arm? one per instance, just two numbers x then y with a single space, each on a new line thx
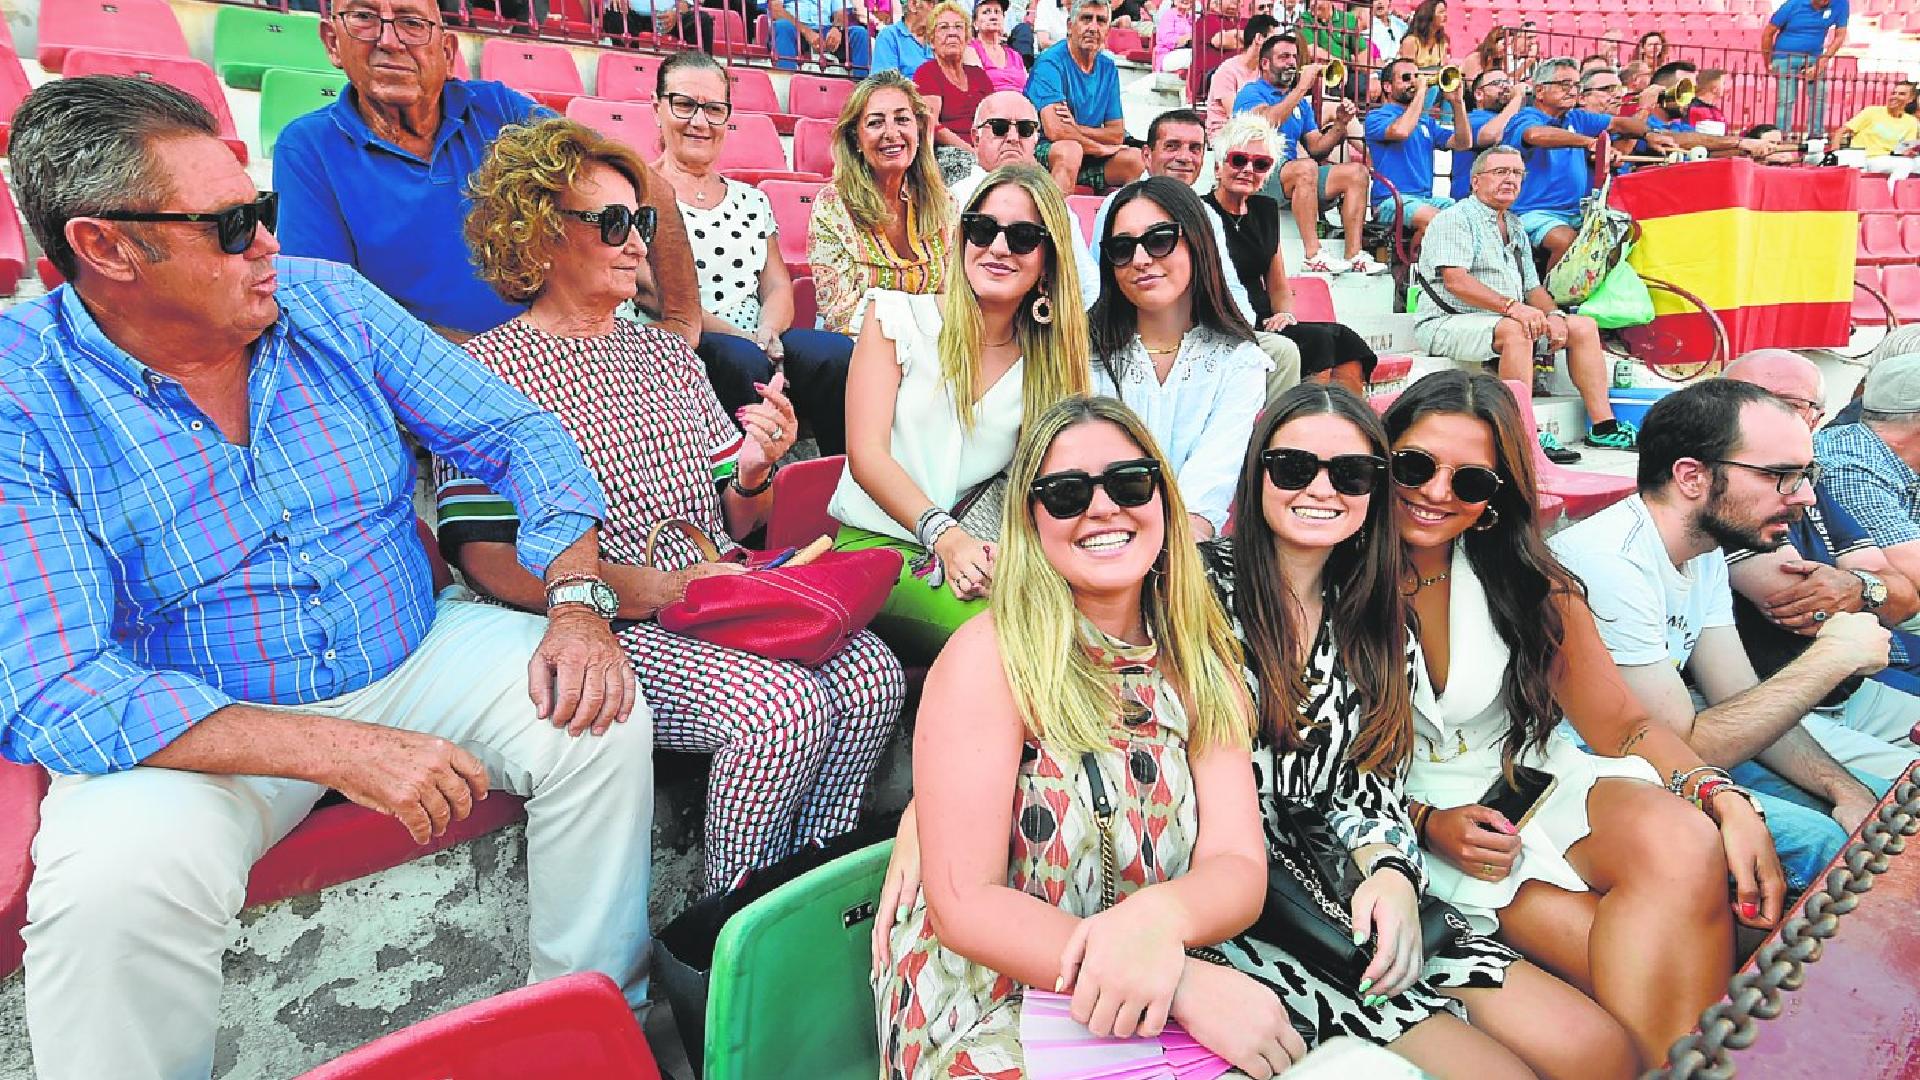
1632 740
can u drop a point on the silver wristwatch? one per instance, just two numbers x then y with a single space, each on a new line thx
592 592
1873 591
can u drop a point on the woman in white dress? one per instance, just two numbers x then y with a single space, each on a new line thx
1168 342
1610 882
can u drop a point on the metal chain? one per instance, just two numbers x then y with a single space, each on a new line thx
1731 1024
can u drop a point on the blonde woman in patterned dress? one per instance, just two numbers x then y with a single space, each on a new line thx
886 221
1103 654
554 225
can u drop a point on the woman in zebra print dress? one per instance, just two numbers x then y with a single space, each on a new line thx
1313 548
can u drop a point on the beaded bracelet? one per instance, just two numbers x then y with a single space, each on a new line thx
1398 864
1704 791
933 524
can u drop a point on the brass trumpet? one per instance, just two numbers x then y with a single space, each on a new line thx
1447 79
1335 74
1680 96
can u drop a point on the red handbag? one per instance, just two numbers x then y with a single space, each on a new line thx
802 613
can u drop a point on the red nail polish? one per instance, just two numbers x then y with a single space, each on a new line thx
1749 910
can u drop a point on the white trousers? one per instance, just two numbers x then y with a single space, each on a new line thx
1886 714
1875 755
1895 166
139 874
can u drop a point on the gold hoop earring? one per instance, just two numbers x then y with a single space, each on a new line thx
1042 310
1488 519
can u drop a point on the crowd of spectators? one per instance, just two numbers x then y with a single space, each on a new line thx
227 611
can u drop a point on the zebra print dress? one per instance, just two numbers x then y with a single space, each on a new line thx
1363 807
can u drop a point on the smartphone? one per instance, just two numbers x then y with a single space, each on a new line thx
1517 801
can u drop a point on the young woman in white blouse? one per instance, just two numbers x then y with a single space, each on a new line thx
746 295
1169 343
939 389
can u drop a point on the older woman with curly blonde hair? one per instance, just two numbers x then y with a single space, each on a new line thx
557 224
886 221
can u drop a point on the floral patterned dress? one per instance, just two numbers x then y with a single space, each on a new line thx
848 260
944 1016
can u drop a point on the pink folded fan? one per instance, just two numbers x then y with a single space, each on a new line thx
1059 1048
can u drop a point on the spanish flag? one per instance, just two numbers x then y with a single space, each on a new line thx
1770 249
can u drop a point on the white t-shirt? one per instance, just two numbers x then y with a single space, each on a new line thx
1647 609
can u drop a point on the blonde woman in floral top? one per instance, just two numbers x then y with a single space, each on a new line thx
886 221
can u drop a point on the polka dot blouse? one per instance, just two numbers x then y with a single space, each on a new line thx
729 251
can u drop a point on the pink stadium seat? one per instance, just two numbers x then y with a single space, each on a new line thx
823 97
753 92
1866 310
49 277
624 76
1584 493
571 19
800 496
13 90
540 70
1874 194
1085 208
730 37
806 303
631 122
792 218
136 26
1879 240
1910 235
21 788
572 1026
13 244
1901 284
1312 299
192 76
1392 368
753 153
813 146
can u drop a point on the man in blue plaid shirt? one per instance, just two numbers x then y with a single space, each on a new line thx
1873 467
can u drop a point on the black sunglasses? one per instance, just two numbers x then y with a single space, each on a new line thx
1022 236
616 221
1471 483
1158 240
999 126
1068 494
1350 474
235 225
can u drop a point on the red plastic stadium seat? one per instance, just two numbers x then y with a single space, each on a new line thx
135 26
21 788
1874 193
1906 193
1901 284
806 303
1584 493
792 219
1910 235
1392 368
822 97
1879 240
542 71
630 122
1866 310
13 90
44 270
192 76
813 145
570 18
753 93
626 76
800 496
13 244
753 154
730 37
1312 299
573 1026
1085 208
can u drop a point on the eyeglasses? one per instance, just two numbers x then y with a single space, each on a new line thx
617 221
1022 236
1350 474
1505 170
1818 408
999 126
1257 162
683 108
1556 82
235 225
1787 479
1067 494
1412 468
1158 241
363 25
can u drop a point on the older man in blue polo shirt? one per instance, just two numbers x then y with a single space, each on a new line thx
1402 138
1799 41
1076 87
378 179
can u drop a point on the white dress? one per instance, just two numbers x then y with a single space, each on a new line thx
1458 737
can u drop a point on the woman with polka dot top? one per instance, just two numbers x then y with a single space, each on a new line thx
746 295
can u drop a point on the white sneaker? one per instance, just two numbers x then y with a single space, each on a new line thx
1364 263
1324 263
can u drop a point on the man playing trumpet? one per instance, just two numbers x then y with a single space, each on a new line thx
1401 138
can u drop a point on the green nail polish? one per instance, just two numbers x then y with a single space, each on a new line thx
1364 984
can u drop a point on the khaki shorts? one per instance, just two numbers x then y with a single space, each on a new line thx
1467 337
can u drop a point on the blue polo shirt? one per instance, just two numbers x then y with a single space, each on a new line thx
1660 123
898 50
350 196
1463 159
1260 94
1408 164
1803 31
1557 179
1092 96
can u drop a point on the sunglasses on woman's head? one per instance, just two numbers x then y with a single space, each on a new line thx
1022 236
617 221
999 126
1257 162
1158 240
1350 474
1471 483
1068 494
234 226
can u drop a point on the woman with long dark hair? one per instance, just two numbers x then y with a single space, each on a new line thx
1169 342
1608 880
1426 42
1313 578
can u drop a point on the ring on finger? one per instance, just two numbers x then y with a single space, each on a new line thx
1820 616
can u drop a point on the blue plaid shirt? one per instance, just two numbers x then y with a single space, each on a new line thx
157 572
1862 474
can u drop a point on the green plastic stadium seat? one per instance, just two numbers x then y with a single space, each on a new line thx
248 42
789 994
286 94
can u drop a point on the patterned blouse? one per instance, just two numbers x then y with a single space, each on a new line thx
730 250
848 260
638 404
